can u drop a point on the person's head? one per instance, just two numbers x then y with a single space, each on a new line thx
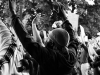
58 38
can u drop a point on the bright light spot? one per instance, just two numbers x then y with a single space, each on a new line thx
0 2
30 0
91 2
23 10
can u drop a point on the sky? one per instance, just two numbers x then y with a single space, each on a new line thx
91 2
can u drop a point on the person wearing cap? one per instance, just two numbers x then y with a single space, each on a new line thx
56 58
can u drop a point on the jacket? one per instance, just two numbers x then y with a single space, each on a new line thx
50 62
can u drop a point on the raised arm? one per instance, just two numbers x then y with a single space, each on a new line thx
66 25
36 35
33 48
18 27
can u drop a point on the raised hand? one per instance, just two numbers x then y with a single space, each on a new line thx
36 19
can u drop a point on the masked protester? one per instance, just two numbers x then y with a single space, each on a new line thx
53 59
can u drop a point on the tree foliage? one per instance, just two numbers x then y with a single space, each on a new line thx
27 9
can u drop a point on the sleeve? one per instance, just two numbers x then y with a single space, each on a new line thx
20 31
72 50
68 27
74 44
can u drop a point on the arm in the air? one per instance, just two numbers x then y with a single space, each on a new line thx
36 34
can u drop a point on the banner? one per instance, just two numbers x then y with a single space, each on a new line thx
73 19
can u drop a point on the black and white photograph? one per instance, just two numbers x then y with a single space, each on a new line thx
49 37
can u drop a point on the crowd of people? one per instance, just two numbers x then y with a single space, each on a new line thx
61 51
